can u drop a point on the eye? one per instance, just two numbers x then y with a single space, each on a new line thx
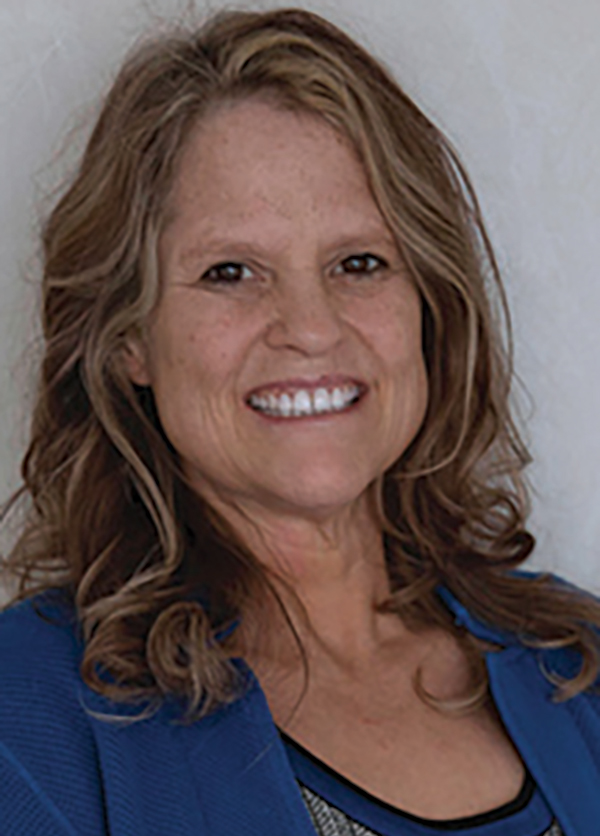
363 264
227 273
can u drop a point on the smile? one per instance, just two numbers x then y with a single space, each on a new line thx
305 402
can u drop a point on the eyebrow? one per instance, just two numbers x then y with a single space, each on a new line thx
369 236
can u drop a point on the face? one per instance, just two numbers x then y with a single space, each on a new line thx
285 354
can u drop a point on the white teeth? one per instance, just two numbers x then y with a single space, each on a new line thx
321 400
263 403
302 403
337 399
305 402
284 407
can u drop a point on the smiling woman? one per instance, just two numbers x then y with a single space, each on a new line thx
294 322
268 572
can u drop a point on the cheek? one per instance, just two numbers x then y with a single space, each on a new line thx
194 346
396 335
394 330
197 371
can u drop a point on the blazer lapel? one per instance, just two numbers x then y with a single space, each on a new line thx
229 772
550 737
225 774
559 742
241 756
244 779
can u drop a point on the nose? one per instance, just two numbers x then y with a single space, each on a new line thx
307 318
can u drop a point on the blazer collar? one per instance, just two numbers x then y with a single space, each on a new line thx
550 736
559 741
233 763
463 618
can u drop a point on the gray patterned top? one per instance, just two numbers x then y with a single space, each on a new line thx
329 821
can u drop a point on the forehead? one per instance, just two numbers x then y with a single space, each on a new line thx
252 159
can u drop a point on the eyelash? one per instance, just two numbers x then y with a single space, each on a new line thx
206 277
380 264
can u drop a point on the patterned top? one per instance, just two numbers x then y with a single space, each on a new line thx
329 821
338 807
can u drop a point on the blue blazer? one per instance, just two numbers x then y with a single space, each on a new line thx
67 771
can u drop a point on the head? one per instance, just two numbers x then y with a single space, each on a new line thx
283 291
107 479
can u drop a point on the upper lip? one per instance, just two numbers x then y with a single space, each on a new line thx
326 381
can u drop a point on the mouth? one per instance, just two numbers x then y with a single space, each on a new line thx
287 403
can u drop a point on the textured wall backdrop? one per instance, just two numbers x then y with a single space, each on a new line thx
515 85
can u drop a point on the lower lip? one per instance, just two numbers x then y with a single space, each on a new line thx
319 417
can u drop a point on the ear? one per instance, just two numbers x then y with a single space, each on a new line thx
134 356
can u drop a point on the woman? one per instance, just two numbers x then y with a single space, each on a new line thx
276 508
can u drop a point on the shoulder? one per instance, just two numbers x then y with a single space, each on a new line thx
40 684
47 747
39 643
521 582
553 660
543 666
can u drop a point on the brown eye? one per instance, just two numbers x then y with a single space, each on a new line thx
363 264
229 272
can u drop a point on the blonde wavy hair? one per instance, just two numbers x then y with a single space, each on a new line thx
156 576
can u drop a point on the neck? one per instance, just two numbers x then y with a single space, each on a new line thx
329 575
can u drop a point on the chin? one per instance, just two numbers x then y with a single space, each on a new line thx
322 497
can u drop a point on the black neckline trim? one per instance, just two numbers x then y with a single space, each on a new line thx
510 808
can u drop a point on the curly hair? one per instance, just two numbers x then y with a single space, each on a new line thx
156 575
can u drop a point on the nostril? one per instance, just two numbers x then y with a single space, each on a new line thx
311 330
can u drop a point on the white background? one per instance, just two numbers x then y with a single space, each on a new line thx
515 85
